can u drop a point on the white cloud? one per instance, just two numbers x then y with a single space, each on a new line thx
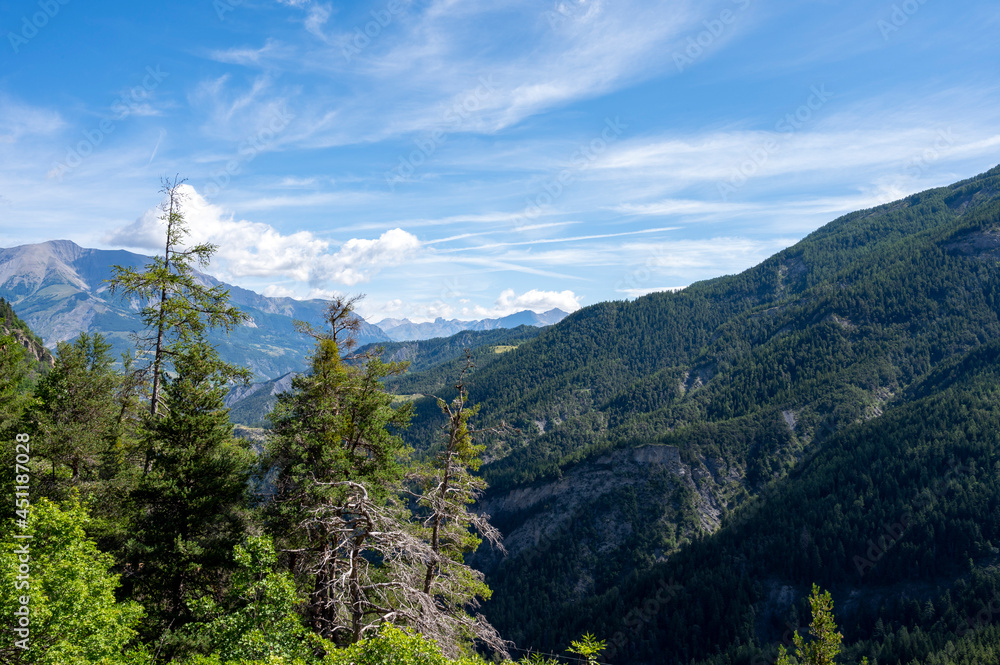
254 249
429 75
277 291
246 55
535 300
358 259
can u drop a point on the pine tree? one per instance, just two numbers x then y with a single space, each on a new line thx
336 465
824 647
448 488
193 502
341 510
77 417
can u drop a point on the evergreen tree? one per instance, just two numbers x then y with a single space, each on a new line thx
824 647
77 416
448 489
336 467
176 306
192 503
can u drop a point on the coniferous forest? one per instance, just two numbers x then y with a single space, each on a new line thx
796 464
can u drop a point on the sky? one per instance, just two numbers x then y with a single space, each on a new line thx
470 159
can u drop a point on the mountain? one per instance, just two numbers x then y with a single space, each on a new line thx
11 324
688 463
58 287
437 352
402 330
249 405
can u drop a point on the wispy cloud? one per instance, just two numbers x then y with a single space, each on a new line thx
426 73
18 120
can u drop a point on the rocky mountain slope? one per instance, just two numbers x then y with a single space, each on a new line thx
58 287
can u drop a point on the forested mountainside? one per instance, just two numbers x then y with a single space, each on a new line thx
646 425
436 352
249 405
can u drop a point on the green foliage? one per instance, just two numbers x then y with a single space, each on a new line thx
74 616
258 617
825 644
589 647
335 464
394 646
77 420
192 503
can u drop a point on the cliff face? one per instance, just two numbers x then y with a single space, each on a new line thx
39 353
609 514
11 325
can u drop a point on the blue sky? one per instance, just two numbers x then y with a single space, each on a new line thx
470 159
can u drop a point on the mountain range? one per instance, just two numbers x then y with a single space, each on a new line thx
59 288
402 330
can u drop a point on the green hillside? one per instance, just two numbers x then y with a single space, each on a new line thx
434 364
745 377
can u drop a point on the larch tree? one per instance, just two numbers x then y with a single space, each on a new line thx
448 487
175 305
190 504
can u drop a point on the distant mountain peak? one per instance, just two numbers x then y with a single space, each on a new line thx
404 330
60 290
